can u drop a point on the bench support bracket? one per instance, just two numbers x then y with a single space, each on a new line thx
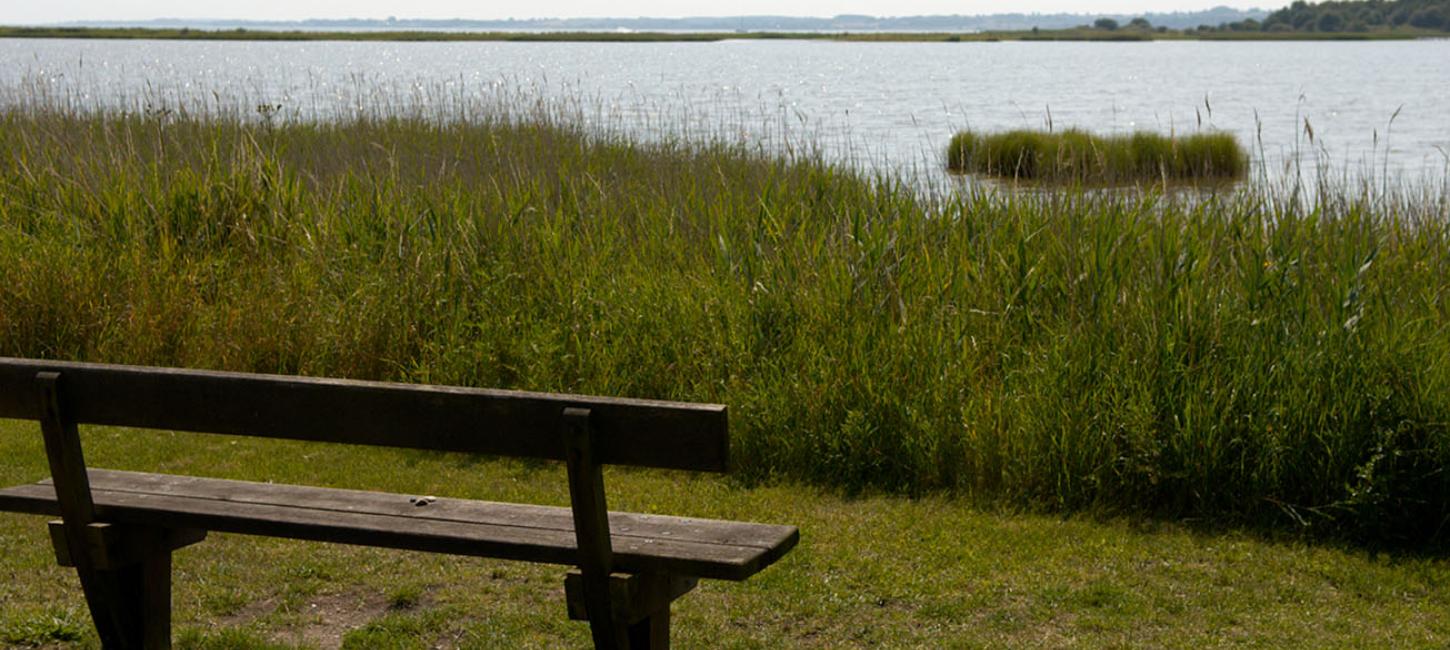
114 547
641 604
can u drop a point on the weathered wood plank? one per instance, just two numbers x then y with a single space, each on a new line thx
645 433
621 524
682 546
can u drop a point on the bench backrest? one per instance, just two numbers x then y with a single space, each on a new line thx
647 433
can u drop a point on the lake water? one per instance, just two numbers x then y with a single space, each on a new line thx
1371 106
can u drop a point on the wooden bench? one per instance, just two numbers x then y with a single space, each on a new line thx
118 529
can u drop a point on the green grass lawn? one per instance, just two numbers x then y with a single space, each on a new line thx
878 571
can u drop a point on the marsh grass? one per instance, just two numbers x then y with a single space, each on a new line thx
1235 357
1074 156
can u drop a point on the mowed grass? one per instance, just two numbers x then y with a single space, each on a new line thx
1075 156
871 571
1243 358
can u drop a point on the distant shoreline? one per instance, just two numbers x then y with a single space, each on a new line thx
1077 34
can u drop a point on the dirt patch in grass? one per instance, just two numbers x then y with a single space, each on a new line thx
322 620
247 613
328 617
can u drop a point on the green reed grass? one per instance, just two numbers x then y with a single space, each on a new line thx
1075 156
1234 357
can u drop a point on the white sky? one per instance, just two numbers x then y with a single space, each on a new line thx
44 11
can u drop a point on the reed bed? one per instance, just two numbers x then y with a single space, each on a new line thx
1238 357
1075 156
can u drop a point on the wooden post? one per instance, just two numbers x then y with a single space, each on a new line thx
130 605
591 528
641 603
652 633
73 491
151 587
649 620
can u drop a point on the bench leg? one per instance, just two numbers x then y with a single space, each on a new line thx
640 611
127 581
652 633
608 633
131 605
101 598
149 584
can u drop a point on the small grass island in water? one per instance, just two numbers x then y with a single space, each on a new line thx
1075 156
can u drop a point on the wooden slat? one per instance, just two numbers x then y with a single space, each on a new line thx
642 543
646 433
622 524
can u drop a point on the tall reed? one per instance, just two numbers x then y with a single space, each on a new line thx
1235 357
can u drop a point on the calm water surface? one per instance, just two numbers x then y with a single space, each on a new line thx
1371 106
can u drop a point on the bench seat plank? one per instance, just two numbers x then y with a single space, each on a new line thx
642 543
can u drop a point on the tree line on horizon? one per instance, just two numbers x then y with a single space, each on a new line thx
1350 16
1329 17
760 23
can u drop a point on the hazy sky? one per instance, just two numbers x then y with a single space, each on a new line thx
41 11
